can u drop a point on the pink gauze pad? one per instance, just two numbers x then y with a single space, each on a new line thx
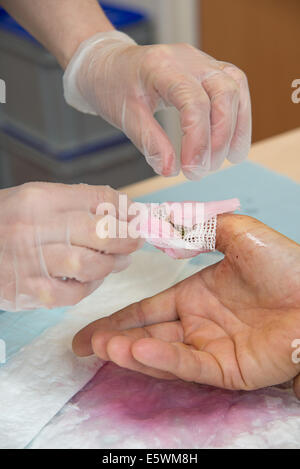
184 229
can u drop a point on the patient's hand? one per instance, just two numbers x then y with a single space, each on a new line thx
231 325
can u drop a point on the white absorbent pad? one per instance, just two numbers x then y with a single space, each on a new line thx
37 382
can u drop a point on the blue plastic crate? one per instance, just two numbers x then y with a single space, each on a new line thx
120 17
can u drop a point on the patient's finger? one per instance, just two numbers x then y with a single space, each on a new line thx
159 308
180 360
169 331
119 352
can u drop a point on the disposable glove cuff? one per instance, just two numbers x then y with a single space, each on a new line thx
71 91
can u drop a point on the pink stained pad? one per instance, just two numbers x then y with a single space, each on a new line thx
186 229
119 408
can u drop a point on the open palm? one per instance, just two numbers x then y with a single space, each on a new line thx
231 325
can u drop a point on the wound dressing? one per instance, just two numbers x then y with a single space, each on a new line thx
186 229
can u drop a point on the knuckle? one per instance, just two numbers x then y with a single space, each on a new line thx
236 73
193 112
100 195
107 193
157 55
227 88
241 75
82 186
29 194
30 189
231 88
189 95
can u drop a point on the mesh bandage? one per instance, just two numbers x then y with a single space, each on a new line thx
185 229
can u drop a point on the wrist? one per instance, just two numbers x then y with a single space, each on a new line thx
60 26
73 42
78 64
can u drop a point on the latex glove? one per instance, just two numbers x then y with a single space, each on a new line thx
125 84
50 253
231 325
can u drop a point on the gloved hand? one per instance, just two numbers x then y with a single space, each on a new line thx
50 253
124 83
235 324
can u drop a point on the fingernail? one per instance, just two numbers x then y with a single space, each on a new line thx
202 161
121 263
236 156
195 173
173 174
156 164
175 168
171 165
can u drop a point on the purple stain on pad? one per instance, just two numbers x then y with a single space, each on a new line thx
120 408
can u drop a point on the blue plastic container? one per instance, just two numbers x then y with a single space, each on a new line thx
35 111
119 17
42 138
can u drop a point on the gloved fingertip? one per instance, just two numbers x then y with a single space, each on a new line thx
198 166
240 148
236 157
171 165
156 164
174 167
218 159
164 166
171 173
194 172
